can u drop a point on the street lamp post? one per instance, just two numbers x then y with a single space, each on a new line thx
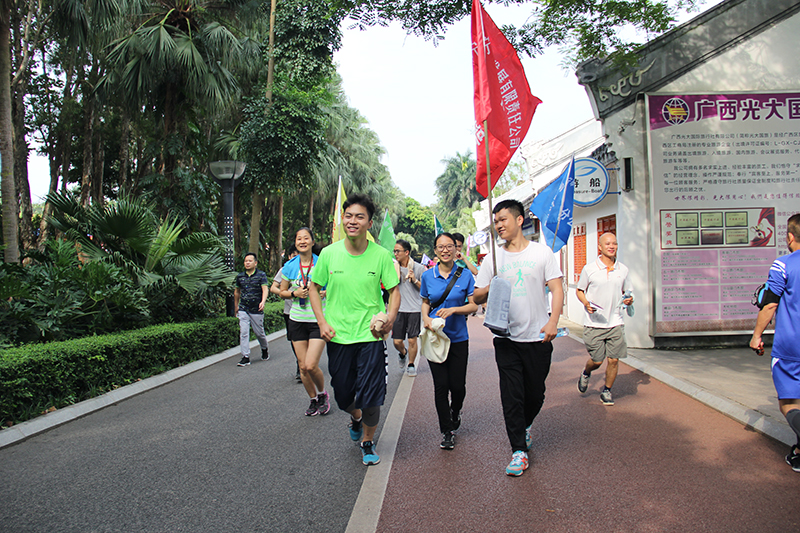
227 174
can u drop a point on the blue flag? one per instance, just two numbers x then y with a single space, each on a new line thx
553 207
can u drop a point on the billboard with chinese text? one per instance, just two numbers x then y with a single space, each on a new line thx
724 178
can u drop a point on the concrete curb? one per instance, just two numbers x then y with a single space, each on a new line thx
25 430
749 417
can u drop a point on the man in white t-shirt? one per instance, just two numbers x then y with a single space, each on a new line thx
604 289
523 358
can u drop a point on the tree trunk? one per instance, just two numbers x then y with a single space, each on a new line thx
19 88
170 130
86 171
21 183
64 133
258 198
124 149
44 226
54 155
98 164
311 213
7 186
255 222
142 167
276 249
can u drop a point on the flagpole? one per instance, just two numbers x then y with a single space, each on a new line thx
489 196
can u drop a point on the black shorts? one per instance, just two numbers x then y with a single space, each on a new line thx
406 324
358 373
302 331
286 321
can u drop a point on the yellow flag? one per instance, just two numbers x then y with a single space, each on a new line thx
338 231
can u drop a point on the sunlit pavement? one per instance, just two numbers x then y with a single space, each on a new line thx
228 449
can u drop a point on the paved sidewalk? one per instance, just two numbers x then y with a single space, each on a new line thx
734 381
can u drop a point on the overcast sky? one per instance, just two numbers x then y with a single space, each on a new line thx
418 97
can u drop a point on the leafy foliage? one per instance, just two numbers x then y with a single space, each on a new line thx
281 145
455 187
155 253
417 221
59 297
582 28
182 274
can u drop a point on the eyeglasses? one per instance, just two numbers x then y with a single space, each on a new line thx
399 251
443 247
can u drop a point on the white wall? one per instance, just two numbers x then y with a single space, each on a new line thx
765 62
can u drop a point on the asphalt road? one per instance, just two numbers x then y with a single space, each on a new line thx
223 449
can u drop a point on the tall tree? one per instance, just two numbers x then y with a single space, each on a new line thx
181 53
8 190
455 187
281 145
417 221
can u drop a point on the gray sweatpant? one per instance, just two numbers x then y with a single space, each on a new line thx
246 321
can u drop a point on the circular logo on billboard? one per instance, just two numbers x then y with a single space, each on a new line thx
591 181
480 237
675 111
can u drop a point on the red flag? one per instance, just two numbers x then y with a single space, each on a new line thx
502 97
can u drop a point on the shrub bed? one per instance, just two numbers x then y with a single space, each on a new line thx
38 377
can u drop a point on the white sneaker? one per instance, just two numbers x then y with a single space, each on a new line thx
411 370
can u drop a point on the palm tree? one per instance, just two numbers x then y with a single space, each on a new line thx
156 253
181 53
353 151
455 187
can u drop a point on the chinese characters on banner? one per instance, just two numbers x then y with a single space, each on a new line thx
502 97
725 176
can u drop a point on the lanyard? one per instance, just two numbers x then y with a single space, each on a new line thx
304 275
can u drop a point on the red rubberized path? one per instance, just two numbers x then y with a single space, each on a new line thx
657 461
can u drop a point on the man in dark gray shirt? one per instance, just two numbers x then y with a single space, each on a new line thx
252 288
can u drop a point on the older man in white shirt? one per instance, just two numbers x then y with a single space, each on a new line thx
604 290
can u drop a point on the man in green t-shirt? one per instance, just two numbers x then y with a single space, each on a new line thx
353 270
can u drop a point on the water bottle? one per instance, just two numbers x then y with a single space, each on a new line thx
560 332
628 308
301 301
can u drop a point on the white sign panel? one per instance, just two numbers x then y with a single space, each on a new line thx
591 181
725 177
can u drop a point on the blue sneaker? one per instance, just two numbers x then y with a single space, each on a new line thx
355 429
518 464
369 457
528 437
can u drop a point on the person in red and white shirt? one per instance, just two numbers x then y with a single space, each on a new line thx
604 290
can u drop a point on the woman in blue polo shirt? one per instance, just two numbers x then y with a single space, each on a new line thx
449 377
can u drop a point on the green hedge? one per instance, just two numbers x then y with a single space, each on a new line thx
36 377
